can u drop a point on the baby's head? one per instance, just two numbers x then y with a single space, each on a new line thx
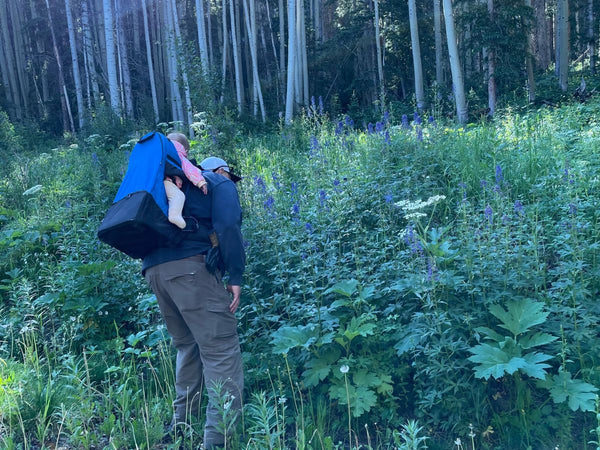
180 137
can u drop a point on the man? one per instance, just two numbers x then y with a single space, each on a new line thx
197 308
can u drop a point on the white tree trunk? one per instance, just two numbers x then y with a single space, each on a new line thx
186 85
225 33
9 56
379 55
529 60
491 66
88 51
150 62
457 76
111 60
68 124
124 61
591 36
416 54
291 70
562 43
282 40
202 36
75 64
20 59
302 53
437 25
236 57
171 61
251 28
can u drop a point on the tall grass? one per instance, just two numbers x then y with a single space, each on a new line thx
377 261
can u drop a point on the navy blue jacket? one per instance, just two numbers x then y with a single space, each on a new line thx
218 211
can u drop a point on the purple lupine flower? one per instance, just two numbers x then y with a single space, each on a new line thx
504 219
339 128
388 198
417 118
336 182
379 127
349 122
419 134
308 227
387 139
489 213
68 204
269 203
483 184
430 269
572 208
565 176
309 112
303 255
314 145
370 129
405 123
95 159
276 180
519 209
499 176
462 185
295 209
431 121
260 183
312 102
294 188
321 109
386 116
322 197
497 189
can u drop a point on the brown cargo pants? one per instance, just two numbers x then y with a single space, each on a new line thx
195 307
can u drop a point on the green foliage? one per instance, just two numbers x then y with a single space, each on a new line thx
508 354
413 271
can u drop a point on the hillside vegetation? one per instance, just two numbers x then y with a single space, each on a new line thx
410 283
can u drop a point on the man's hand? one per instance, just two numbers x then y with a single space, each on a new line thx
236 292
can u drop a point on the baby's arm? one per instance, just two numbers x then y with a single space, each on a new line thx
193 174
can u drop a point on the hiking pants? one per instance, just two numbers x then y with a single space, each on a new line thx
195 307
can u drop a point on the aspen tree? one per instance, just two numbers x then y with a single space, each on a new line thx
75 64
111 60
457 76
291 61
150 62
416 53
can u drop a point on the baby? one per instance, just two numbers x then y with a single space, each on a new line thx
173 185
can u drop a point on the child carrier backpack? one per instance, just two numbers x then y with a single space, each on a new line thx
137 222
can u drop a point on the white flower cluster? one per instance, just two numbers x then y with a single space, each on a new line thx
407 205
411 208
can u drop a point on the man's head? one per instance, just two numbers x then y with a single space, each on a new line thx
218 165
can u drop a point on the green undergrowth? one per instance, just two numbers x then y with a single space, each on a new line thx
410 283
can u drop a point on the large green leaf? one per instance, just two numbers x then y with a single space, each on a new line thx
362 398
494 361
535 340
520 315
581 395
346 288
318 368
535 366
287 338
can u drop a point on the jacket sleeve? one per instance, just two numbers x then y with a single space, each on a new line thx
227 222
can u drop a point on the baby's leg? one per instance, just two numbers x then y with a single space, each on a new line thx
176 198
